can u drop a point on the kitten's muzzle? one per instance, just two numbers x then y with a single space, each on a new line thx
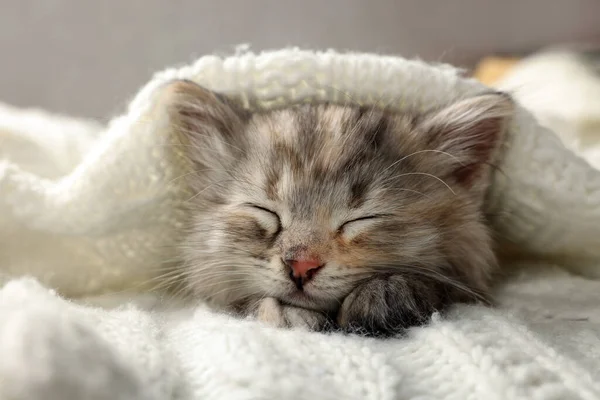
302 270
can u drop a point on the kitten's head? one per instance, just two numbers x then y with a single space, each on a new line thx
304 203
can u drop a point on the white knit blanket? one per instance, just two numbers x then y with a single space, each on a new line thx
90 210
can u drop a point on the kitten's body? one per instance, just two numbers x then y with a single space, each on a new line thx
367 216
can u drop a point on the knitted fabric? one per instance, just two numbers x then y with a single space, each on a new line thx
87 209
56 350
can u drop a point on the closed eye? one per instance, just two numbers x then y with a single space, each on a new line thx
356 222
267 218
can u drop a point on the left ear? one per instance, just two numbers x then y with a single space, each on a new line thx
470 131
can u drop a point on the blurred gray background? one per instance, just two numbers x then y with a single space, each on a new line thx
87 58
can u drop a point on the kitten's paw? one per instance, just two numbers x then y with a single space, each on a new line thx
272 312
389 304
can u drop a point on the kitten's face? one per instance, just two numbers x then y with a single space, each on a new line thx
305 203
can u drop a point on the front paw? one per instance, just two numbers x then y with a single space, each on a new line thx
270 311
388 305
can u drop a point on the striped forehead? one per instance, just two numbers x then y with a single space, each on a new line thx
323 131
311 145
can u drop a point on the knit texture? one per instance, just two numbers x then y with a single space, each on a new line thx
57 350
88 210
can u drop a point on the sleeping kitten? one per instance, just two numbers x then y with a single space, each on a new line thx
366 217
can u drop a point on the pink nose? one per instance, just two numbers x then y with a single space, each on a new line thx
302 270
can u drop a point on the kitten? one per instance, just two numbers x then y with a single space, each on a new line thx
370 218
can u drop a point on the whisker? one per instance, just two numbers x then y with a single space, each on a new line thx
428 151
205 189
414 191
424 174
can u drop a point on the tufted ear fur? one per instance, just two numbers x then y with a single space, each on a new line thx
471 131
209 126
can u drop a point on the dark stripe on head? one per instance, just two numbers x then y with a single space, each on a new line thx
307 122
273 176
284 154
358 193
374 126
378 132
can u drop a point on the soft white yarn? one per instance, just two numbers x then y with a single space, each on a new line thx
94 211
55 350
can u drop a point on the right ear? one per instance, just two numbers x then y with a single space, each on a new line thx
209 126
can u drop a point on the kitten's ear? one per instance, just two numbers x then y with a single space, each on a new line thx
471 131
210 126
